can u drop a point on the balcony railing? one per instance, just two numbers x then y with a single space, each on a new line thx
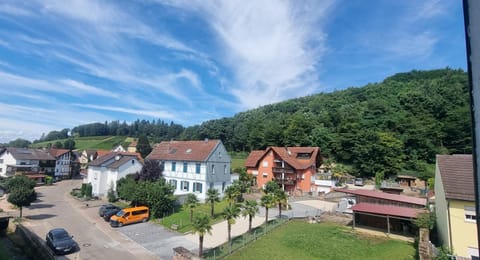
286 181
282 170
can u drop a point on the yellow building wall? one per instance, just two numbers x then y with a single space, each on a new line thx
463 232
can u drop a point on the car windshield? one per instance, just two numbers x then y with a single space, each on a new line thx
60 235
120 213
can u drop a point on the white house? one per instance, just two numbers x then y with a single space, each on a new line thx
194 166
105 171
63 162
26 161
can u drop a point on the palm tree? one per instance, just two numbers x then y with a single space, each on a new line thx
229 213
281 199
201 225
212 197
232 192
250 208
191 202
267 201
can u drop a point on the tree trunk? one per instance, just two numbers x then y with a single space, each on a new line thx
280 210
213 209
191 215
266 216
200 246
229 232
20 212
249 223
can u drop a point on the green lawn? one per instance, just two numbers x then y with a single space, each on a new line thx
182 217
300 240
236 163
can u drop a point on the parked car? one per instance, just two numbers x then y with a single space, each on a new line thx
359 182
60 241
104 208
129 216
109 213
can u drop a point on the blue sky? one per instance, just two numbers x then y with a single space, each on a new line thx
65 63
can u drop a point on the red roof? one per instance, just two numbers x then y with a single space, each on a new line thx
387 210
385 196
253 158
57 152
291 155
101 153
198 151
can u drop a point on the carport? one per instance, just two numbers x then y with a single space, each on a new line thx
392 218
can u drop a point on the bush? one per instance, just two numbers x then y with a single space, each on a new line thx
88 191
84 189
111 196
48 180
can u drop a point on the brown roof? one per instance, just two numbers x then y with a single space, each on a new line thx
198 151
29 154
101 153
456 172
57 152
289 154
385 196
387 210
253 158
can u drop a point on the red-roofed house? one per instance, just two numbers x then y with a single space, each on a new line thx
293 168
194 166
392 212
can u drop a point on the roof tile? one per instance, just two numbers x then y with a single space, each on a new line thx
456 172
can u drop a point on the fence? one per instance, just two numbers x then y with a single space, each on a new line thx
241 241
40 249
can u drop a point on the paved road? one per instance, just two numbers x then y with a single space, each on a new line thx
56 208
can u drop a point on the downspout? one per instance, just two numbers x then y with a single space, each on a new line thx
449 226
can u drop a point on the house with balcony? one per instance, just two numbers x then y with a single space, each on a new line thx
106 170
455 204
35 163
63 162
194 166
293 168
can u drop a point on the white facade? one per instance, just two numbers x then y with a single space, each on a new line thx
6 158
62 165
103 178
325 186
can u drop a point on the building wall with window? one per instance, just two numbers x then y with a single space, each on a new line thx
6 158
464 229
62 165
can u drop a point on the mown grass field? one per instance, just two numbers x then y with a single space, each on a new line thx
92 142
182 217
300 240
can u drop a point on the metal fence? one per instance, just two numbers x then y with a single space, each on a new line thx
241 241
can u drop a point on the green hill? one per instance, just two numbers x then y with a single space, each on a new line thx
92 142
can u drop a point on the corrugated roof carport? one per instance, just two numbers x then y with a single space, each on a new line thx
388 212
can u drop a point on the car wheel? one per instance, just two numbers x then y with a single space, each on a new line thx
144 220
120 224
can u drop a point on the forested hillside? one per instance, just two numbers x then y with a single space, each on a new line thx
400 123
396 125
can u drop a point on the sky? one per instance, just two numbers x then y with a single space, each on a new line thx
64 63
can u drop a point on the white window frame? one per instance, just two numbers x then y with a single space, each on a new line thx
470 214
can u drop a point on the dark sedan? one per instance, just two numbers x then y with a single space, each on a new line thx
60 241
109 213
104 208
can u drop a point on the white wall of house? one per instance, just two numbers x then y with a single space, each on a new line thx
62 165
103 178
6 158
441 210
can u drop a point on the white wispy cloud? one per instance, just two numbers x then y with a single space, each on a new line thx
272 47
150 113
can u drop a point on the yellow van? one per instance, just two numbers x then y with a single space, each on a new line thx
130 215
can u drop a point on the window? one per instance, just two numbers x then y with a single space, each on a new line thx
224 169
197 168
470 215
174 166
1 169
184 185
265 175
223 186
213 168
1 160
173 183
211 185
133 161
185 167
265 164
197 187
